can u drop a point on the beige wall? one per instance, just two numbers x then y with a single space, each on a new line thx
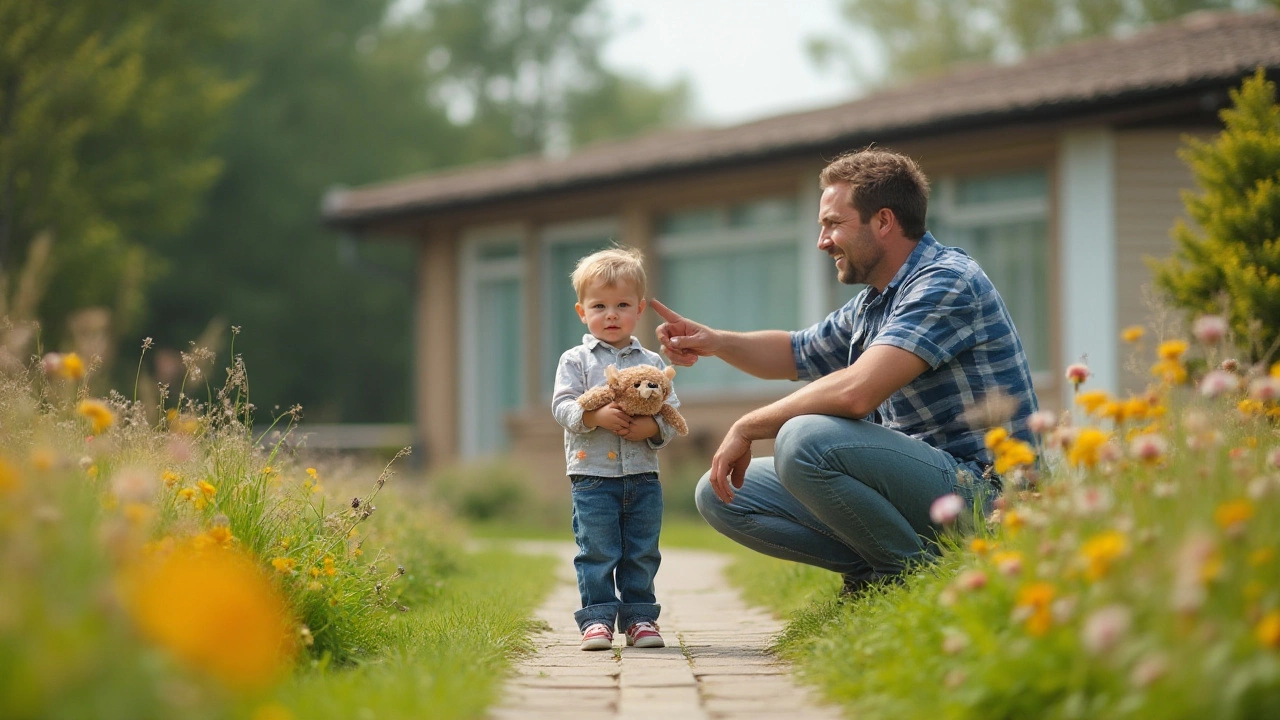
1149 180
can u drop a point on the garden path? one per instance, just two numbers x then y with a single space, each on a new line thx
714 665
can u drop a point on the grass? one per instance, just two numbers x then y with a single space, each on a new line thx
1138 578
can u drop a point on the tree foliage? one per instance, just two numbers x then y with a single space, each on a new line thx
108 109
1232 252
346 92
921 36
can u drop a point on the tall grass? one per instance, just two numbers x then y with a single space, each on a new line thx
1137 578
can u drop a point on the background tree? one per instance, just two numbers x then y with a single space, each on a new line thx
921 36
345 92
108 109
1233 250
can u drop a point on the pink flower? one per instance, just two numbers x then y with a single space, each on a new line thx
954 641
1230 365
1148 670
1042 422
1273 458
1265 389
1209 329
1218 382
1078 373
1149 448
1104 628
946 509
1093 500
52 363
970 580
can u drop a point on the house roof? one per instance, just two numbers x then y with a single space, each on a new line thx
1198 51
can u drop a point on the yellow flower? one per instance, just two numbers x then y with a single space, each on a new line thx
283 564
312 472
207 489
994 437
1172 349
43 459
1101 551
72 367
138 513
233 624
1013 453
1275 370
980 546
329 568
1231 516
1261 556
1012 522
98 414
1250 408
1091 400
170 478
1170 371
221 534
1132 334
1036 599
1086 449
10 480
187 493
1268 630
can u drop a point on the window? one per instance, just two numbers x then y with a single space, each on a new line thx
733 267
563 246
492 338
1002 222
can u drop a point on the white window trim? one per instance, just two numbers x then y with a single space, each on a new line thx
472 271
559 234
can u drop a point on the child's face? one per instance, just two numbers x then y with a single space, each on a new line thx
610 312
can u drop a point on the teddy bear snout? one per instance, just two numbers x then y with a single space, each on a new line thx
648 390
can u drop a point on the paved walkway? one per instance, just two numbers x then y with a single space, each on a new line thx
714 665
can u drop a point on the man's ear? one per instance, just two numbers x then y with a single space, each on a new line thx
884 221
582 314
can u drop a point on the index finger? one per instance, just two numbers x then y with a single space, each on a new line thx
664 312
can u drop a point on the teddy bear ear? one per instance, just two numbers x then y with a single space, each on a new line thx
670 372
611 373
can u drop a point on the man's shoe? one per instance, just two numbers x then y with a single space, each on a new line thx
598 636
644 634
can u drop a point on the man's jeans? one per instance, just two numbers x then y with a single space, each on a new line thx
616 521
845 495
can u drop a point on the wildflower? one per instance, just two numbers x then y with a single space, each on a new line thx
1250 408
1077 373
1132 334
1086 449
1209 329
241 633
1012 522
1197 562
220 535
67 367
1218 382
1273 458
994 437
1033 607
946 509
207 489
1264 389
188 493
1105 627
1261 556
1268 630
1150 449
970 580
1041 421
1172 349
1232 516
312 472
1092 500
52 364
283 564
10 480
1013 453
1101 551
954 641
1171 372
981 546
43 459
1148 670
1092 400
170 478
329 568
98 414
138 514
1008 563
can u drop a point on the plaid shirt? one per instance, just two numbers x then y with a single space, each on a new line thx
941 307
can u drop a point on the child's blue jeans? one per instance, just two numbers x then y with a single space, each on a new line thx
616 521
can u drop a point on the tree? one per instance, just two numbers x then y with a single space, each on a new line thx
108 109
1233 250
922 36
340 93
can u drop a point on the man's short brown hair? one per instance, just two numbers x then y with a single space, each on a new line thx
881 178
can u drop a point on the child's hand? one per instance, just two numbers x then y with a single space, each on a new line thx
611 418
643 427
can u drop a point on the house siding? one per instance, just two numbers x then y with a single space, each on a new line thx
1149 180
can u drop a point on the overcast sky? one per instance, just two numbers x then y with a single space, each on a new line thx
745 58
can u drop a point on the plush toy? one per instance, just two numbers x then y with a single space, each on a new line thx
639 390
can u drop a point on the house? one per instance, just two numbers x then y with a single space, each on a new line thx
1059 173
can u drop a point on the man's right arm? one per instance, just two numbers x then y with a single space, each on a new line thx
763 353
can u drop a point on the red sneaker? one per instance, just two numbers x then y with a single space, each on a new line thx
644 634
598 636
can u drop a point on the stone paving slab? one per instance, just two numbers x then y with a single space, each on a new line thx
714 666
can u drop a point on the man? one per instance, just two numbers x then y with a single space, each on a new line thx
880 432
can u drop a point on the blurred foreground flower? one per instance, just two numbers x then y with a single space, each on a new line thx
216 611
1209 329
98 414
946 509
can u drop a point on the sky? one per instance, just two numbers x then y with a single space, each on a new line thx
746 59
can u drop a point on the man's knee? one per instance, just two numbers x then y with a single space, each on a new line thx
798 441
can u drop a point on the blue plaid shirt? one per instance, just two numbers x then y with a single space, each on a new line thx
941 307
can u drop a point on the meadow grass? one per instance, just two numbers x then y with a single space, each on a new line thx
1137 577
157 561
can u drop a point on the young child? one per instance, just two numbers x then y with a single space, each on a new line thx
612 458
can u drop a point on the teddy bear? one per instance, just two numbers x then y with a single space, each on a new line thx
639 390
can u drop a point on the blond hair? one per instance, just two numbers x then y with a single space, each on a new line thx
610 267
